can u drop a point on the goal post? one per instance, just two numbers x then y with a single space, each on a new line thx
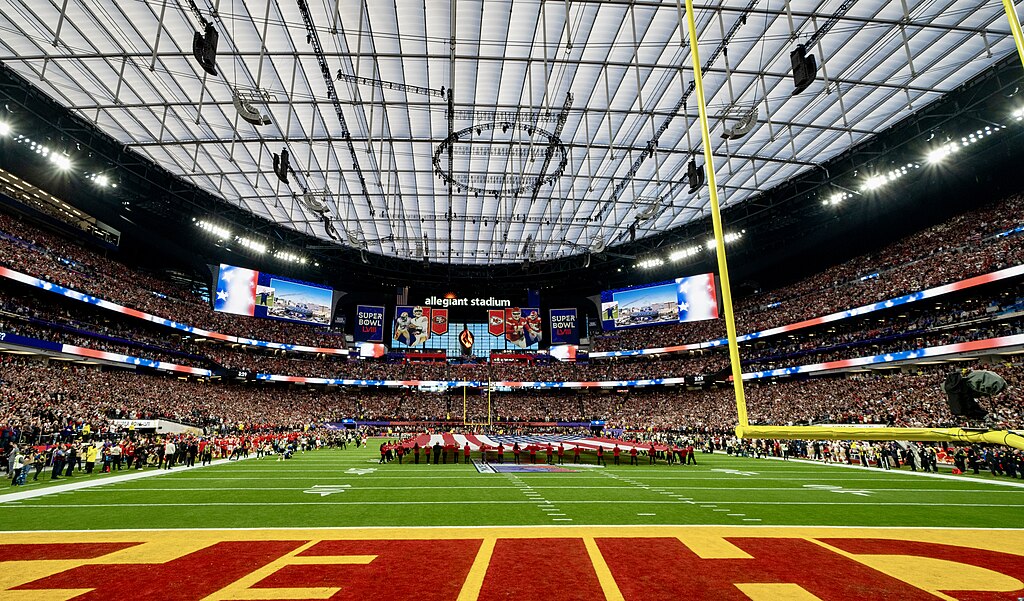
958 435
744 429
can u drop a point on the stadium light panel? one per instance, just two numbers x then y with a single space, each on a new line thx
253 245
220 232
5 128
684 253
61 161
650 263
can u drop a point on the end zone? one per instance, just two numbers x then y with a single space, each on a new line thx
707 562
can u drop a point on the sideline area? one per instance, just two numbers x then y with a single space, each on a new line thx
21 495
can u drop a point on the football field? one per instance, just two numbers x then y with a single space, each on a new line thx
333 524
344 488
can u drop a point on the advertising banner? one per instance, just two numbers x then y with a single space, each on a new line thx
369 323
496 322
563 326
412 325
439 322
523 327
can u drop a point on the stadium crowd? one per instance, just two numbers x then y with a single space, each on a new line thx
26 248
964 246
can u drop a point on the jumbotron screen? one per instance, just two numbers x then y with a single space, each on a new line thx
692 298
249 292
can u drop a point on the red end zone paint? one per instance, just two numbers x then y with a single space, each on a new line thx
420 570
553 569
652 569
1003 563
642 563
188 578
35 552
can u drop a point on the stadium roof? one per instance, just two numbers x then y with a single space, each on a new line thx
572 122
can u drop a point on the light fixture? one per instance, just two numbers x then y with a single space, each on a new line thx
684 253
220 232
650 263
62 161
5 128
837 198
253 245
939 154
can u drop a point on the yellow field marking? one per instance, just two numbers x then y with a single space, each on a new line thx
604 575
475 580
776 592
707 542
257 594
54 595
240 589
933 575
710 545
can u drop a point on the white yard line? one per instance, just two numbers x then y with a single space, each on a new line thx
80 484
865 503
895 472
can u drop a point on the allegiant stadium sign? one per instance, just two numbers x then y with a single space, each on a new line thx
435 301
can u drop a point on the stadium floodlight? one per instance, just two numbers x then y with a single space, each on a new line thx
253 245
650 263
221 232
684 253
62 161
836 198
101 180
5 128
1019 114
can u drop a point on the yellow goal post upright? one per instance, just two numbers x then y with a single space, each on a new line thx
744 429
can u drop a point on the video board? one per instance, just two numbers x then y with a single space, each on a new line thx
692 298
243 291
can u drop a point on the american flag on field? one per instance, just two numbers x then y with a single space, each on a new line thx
236 290
490 442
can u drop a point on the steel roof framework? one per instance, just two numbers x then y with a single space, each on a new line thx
127 67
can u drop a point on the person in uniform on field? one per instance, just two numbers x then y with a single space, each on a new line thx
501 453
600 455
615 454
561 453
465 453
416 453
515 452
576 454
437 452
632 456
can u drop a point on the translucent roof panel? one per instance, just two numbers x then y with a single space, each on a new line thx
493 132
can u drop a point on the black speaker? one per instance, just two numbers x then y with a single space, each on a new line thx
805 69
281 166
694 175
204 48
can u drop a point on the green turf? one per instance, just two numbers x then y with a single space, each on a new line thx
270 493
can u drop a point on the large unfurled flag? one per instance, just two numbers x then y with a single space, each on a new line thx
236 290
